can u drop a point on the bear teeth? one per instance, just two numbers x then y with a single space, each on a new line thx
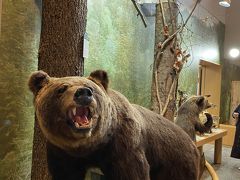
76 124
74 111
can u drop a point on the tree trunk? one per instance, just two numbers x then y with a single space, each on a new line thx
164 77
60 54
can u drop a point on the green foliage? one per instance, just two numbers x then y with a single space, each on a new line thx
121 45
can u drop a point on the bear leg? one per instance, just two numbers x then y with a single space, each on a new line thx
128 166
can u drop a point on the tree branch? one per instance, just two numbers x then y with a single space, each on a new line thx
180 28
157 92
136 5
198 1
162 45
169 95
163 14
184 59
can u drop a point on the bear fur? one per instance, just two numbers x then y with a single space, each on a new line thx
188 116
88 125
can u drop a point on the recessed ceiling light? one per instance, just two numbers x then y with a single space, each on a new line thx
234 53
225 3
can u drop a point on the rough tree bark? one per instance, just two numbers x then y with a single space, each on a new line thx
60 54
163 72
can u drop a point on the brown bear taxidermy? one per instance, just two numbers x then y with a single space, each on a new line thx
188 119
88 125
188 116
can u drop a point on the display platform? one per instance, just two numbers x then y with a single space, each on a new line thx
217 136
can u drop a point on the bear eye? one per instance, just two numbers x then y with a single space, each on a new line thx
90 88
62 89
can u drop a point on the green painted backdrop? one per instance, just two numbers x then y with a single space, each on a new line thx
19 39
121 45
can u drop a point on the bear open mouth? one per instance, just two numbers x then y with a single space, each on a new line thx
80 117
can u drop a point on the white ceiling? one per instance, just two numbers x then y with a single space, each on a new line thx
213 7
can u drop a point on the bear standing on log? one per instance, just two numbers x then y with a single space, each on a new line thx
88 125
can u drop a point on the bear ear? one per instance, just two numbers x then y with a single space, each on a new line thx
100 77
37 80
200 100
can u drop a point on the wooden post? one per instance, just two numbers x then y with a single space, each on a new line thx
218 151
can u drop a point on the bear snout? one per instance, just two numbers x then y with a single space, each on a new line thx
83 96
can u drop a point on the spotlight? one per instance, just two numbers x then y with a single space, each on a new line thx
225 3
234 53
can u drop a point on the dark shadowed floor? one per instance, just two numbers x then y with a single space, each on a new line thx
228 170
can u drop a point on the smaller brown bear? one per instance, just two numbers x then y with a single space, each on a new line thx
188 116
188 119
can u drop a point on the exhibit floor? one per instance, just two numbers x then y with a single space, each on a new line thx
228 170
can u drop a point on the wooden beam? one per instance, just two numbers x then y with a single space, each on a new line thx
208 63
218 151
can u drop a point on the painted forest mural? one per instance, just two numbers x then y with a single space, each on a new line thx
20 28
121 45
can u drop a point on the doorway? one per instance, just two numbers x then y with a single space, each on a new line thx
209 83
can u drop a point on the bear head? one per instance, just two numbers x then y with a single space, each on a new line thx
196 104
72 111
